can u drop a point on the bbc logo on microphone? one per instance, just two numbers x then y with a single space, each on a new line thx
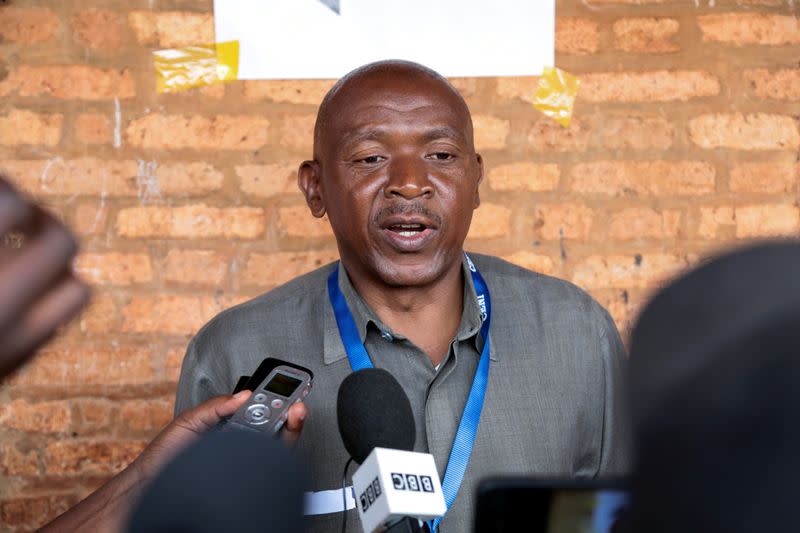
371 494
412 482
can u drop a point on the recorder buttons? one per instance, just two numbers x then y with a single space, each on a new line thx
257 414
276 403
260 398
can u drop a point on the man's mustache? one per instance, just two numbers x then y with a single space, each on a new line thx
413 208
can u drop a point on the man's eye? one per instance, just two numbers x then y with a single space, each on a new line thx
370 160
442 156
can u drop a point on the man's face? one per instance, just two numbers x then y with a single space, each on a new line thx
398 176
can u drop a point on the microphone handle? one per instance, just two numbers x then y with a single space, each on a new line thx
405 525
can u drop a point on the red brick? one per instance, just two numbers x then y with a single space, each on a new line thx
750 28
489 221
549 136
624 306
173 132
93 128
627 271
15 462
711 218
40 417
191 221
190 179
523 87
466 86
524 176
637 223
651 86
562 221
490 132
19 127
172 364
89 218
147 415
86 176
632 133
30 514
297 132
631 2
172 29
92 415
70 82
310 92
575 35
90 458
767 221
297 221
80 365
114 268
171 314
660 178
268 180
782 84
268 270
648 35
27 25
756 131
769 177
532 261
98 28
101 315
196 267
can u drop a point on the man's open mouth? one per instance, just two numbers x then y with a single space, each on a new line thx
407 230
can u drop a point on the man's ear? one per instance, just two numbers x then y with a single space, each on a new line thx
477 200
310 182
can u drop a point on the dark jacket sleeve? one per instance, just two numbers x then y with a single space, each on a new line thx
615 455
195 384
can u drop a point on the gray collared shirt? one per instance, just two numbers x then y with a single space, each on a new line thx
553 403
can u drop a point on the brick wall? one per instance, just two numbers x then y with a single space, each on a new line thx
685 141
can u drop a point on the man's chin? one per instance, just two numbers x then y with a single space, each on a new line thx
412 271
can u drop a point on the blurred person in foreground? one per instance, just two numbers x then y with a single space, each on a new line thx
39 293
715 385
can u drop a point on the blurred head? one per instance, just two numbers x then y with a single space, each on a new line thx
715 376
396 172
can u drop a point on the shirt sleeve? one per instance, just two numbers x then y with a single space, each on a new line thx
615 453
195 385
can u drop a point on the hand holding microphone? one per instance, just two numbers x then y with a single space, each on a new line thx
377 427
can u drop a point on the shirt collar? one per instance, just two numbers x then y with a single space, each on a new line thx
363 316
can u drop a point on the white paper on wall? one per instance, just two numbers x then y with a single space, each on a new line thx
286 39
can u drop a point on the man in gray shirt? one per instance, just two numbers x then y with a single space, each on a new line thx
396 171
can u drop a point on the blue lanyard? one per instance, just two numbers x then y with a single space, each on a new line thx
468 426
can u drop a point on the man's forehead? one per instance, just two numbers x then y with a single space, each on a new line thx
360 99
401 90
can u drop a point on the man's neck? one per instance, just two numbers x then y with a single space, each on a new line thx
428 315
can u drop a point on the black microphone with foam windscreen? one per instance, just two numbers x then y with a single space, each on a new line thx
373 411
377 427
225 481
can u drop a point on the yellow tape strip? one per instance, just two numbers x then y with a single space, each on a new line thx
556 94
185 68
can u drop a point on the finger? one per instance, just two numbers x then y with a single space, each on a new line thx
40 321
209 413
296 417
37 266
15 211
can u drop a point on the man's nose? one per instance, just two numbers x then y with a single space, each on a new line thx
408 178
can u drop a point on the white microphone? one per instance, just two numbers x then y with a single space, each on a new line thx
393 484
394 487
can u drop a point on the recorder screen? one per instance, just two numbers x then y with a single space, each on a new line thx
283 385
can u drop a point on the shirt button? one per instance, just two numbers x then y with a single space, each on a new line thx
387 336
